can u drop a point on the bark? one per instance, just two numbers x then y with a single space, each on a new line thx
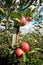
15 36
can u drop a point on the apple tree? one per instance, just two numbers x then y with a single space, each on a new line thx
16 12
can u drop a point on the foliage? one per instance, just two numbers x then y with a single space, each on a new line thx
32 57
9 10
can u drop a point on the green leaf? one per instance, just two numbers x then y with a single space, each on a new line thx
2 12
14 15
24 57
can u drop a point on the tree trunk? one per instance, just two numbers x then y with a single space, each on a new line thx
15 36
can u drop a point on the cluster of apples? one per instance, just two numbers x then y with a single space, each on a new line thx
23 20
24 47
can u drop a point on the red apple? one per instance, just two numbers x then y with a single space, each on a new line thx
24 46
19 52
30 18
23 20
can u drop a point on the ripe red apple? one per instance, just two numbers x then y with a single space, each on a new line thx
24 46
23 20
19 52
30 18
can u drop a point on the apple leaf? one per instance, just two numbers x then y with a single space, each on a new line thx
14 15
2 12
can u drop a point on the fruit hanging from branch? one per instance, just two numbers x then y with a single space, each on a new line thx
30 18
21 22
19 52
24 46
